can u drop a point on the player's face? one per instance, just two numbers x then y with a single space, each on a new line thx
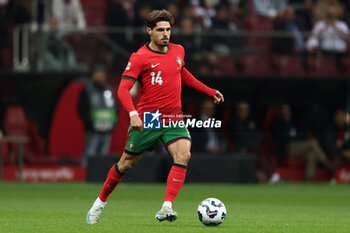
160 34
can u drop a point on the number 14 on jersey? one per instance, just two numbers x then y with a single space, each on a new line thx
156 78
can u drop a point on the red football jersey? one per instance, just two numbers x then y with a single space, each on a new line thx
160 77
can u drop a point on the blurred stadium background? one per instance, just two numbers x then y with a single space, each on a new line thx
262 55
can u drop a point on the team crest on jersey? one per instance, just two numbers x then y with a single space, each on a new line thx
131 145
128 66
179 61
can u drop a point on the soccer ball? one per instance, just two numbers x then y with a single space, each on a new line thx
211 212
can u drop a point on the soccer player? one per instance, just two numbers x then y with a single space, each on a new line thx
159 67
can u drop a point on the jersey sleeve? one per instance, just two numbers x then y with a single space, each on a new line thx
124 94
133 68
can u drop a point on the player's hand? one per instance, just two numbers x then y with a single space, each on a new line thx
136 123
218 97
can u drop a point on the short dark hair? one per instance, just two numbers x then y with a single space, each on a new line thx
159 15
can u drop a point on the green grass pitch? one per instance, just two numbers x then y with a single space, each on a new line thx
37 207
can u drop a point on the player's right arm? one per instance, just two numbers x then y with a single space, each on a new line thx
129 77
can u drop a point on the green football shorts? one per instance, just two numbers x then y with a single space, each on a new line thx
138 142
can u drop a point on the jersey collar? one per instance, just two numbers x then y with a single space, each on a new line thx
147 45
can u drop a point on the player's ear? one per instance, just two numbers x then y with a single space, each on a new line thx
149 30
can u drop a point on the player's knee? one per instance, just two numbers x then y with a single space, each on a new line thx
125 165
187 156
183 158
124 168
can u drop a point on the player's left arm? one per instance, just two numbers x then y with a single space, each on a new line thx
189 80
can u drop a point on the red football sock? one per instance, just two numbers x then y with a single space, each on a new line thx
176 178
111 182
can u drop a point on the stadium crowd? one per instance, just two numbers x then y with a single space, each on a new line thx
221 37
245 32
279 136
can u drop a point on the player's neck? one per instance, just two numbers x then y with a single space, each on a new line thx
154 47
